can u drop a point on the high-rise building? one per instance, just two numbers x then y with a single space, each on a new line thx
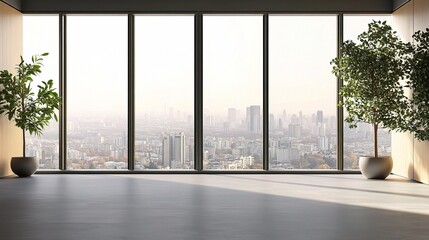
210 121
294 119
253 119
294 130
166 150
321 129
319 117
332 124
191 154
120 141
284 117
280 124
323 143
287 154
178 156
226 126
272 122
173 150
232 117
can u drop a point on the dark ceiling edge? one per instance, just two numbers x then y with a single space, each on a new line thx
16 4
207 6
210 12
399 3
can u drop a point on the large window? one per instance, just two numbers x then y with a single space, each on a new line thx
41 36
164 63
359 141
302 92
97 76
232 68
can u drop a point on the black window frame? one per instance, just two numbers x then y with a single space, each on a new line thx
198 100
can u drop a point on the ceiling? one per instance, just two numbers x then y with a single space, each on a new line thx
206 6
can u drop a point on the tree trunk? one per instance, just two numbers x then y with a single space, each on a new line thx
23 142
23 129
375 140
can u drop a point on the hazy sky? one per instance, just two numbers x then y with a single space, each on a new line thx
40 36
301 48
164 64
97 65
37 40
232 62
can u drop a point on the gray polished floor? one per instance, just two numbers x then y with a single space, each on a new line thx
224 207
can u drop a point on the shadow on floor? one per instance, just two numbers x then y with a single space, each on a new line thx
109 207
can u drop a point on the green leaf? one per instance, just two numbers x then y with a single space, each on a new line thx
30 111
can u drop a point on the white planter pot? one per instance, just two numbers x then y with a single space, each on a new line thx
376 168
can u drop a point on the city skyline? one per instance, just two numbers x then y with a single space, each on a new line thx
285 150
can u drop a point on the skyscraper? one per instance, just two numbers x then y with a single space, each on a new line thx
232 117
284 115
321 127
253 119
210 121
226 126
280 124
319 117
166 150
173 150
294 119
294 130
272 122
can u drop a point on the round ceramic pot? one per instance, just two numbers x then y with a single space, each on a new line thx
376 168
24 166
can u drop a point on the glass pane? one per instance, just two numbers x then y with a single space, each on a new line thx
40 35
97 76
303 132
164 92
359 141
233 65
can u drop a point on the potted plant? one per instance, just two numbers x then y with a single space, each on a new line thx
31 111
372 92
419 85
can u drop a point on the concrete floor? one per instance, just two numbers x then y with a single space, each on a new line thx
224 207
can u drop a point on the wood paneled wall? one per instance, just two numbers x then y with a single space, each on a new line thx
10 50
421 149
403 143
410 156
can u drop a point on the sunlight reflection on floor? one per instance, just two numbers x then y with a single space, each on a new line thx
394 193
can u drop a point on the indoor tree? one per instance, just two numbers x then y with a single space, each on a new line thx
371 70
31 110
